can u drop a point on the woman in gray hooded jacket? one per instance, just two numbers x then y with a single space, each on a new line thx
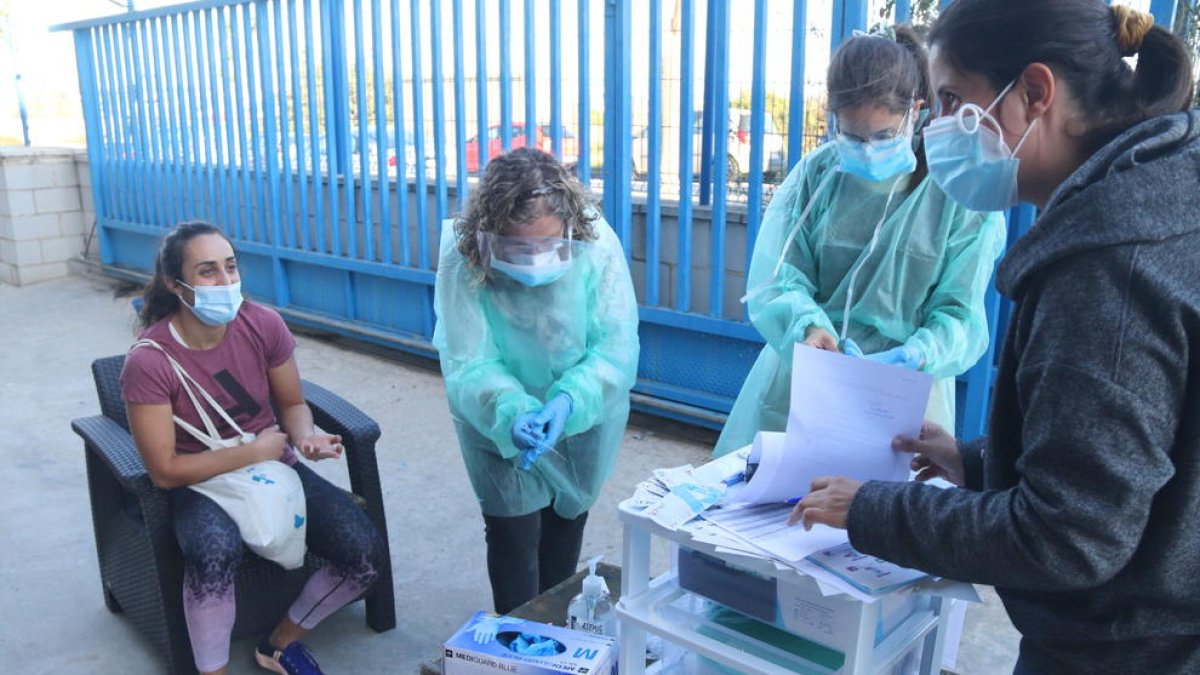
1081 504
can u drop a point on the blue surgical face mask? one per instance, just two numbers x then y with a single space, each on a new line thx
878 160
533 261
970 160
215 305
539 270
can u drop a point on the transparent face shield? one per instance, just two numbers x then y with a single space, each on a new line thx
532 260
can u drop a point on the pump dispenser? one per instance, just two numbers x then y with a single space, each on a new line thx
592 610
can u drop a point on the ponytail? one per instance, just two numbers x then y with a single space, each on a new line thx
907 37
1162 82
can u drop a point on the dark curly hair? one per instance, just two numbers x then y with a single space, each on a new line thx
158 300
517 188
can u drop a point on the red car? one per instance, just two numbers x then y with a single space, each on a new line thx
544 141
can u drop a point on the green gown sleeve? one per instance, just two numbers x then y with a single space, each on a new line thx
481 390
603 377
782 308
954 333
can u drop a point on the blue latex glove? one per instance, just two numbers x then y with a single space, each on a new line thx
485 629
527 433
528 644
850 348
553 417
904 355
546 647
530 456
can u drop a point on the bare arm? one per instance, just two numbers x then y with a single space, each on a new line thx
295 415
153 430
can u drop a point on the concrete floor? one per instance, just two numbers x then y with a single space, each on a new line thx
52 616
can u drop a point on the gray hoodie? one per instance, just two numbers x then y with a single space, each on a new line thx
1082 504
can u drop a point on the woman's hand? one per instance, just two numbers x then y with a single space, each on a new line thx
936 454
269 444
827 502
321 446
820 339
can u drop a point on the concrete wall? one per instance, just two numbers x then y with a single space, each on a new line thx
45 212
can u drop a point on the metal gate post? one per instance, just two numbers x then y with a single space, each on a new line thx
618 114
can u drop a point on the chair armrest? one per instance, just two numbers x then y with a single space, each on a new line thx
359 433
336 415
114 446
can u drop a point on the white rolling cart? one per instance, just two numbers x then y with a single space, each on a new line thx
659 606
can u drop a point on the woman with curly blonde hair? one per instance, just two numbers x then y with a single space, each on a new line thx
537 336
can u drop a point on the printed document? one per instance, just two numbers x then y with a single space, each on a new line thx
844 413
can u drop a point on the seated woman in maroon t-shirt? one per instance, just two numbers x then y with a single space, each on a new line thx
242 355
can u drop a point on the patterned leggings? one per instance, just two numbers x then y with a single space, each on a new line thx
338 531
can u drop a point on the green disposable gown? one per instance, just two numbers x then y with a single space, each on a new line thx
923 285
506 348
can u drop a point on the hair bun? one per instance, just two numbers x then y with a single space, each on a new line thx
1132 26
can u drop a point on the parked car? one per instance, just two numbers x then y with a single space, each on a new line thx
410 154
544 141
737 150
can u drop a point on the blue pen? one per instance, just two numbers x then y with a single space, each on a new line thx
735 478
793 501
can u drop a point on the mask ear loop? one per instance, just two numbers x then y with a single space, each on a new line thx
980 114
862 260
1025 136
787 244
180 295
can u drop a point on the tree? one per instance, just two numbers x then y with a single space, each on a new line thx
776 107
922 13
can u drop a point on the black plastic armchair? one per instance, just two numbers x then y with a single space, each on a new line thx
141 569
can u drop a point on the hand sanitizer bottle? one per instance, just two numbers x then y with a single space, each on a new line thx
592 610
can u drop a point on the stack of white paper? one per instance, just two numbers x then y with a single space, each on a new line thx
844 414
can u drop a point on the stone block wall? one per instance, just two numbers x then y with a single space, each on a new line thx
43 224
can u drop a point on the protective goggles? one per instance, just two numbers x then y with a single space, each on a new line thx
525 251
902 129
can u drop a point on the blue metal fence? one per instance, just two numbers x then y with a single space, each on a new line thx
328 140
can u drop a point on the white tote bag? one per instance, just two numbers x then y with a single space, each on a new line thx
265 500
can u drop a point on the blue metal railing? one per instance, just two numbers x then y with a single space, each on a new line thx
326 136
